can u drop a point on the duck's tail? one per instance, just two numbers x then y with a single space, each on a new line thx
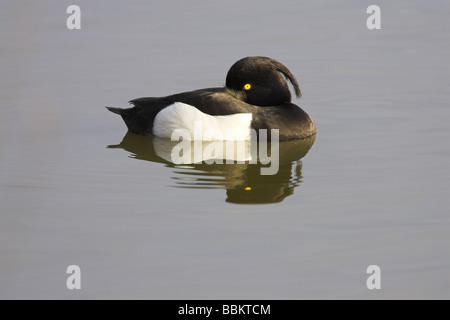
134 121
119 111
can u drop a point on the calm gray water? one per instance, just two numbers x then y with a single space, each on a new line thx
76 189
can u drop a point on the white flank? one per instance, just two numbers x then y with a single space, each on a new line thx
201 126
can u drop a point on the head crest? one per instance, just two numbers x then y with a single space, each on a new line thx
245 65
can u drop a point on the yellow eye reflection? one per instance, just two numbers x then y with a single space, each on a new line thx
247 86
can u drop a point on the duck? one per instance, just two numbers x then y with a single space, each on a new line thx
256 96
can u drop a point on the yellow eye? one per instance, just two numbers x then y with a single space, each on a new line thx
247 86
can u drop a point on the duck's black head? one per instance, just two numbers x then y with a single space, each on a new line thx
261 81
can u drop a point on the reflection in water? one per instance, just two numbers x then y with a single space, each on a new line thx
243 181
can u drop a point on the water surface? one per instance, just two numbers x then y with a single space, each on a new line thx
373 189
